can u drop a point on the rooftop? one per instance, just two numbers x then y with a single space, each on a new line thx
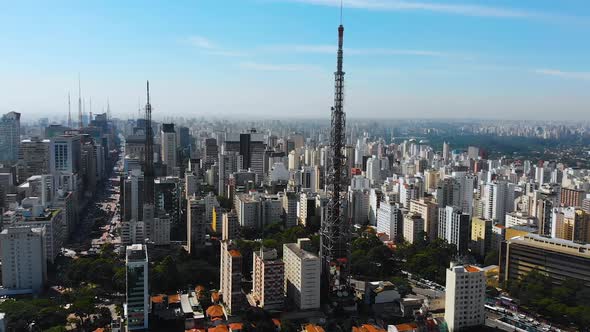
303 254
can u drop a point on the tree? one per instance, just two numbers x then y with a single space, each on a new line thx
491 258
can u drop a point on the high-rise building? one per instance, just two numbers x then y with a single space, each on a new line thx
9 137
302 274
390 220
196 224
454 226
572 197
481 236
211 152
168 147
290 199
558 259
268 279
571 224
65 154
229 163
137 294
465 297
33 157
231 278
229 225
251 147
24 261
428 209
413 227
374 170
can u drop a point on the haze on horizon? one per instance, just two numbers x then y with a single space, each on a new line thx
275 58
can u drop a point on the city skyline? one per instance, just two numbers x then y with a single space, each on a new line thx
405 59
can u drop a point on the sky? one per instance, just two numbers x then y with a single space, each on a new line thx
489 59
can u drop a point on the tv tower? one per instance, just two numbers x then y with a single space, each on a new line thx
149 152
335 230
69 111
80 125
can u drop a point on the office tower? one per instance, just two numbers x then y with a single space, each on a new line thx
499 199
409 192
358 206
302 274
473 152
335 229
137 294
229 226
431 179
290 199
465 297
271 210
558 259
24 260
211 152
268 279
375 197
572 197
9 137
159 231
33 157
191 184
65 154
196 224
132 196
251 147
184 141
294 162
428 209
413 227
374 170
390 220
168 147
231 278
454 226
543 202
481 236
466 184
447 192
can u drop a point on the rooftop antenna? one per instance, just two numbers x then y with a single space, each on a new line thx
69 111
341 12
79 103
90 114
149 152
108 109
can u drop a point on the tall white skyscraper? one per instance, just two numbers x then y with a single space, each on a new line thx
465 297
454 226
137 296
390 219
374 170
302 274
65 154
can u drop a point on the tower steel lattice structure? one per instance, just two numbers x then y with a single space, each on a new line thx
336 228
148 171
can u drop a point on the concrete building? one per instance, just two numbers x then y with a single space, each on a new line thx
196 224
465 297
428 209
413 225
229 225
454 226
9 137
137 295
160 230
390 220
251 147
290 200
559 259
65 154
519 218
231 278
481 236
168 147
24 261
302 274
268 279
33 158
248 209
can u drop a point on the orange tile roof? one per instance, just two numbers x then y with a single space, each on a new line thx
219 328
174 298
406 327
158 298
277 322
199 289
236 326
215 311
470 268
100 329
313 328
195 330
215 296
235 253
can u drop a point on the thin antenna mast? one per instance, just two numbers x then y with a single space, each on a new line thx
69 111
79 103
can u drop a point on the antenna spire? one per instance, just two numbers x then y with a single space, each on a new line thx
69 111
341 1
79 103
149 152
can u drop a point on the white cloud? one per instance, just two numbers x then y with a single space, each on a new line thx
201 42
578 75
277 67
447 8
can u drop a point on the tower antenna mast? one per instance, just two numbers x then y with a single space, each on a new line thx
149 152
79 103
69 111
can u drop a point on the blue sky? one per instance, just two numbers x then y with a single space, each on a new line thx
527 59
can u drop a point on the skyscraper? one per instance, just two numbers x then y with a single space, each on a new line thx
465 297
137 295
168 147
9 137
268 279
24 260
454 226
